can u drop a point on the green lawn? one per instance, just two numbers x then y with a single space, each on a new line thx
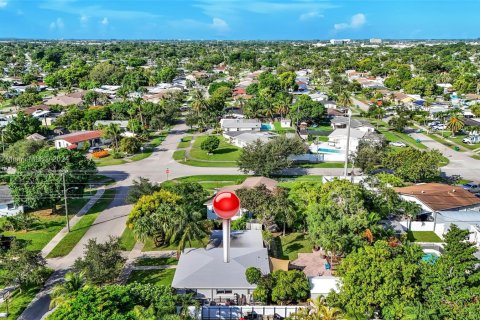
288 247
109 161
179 155
442 141
127 240
78 230
279 129
325 165
47 226
157 140
156 277
170 261
150 245
185 143
288 182
423 236
209 164
141 156
393 136
225 151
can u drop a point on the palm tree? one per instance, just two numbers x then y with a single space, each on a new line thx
73 282
410 210
113 132
455 124
345 99
187 227
282 105
318 310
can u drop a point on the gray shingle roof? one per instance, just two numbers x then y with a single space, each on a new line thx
204 268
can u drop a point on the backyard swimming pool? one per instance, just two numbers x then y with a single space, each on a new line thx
267 127
325 150
430 257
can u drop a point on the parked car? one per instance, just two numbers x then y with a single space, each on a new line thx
398 144
252 316
94 149
440 127
472 187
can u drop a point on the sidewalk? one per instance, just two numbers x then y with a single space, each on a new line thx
59 236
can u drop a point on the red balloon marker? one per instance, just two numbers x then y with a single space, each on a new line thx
226 205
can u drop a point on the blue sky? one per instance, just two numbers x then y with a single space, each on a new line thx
239 19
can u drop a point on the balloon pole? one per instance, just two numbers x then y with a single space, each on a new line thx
226 205
226 240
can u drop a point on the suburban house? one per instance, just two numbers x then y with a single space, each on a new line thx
78 139
249 183
75 98
36 137
242 139
433 197
442 206
204 272
7 205
342 123
228 125
123 124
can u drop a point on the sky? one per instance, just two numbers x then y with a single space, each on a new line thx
240 19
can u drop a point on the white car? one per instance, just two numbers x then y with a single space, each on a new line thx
398 144
467 141
440 127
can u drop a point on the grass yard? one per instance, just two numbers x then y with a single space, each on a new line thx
157 140
109 161
150 245
330 165
127 240
157 277
209 164
169 261
185 143
443 141
225 151
212 182
78 230
393 136
278 128
179 155
423 236
47 225
141 156
288 246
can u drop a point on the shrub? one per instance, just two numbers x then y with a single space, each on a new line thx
101 154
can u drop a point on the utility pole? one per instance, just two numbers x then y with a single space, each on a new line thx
345 173
66 202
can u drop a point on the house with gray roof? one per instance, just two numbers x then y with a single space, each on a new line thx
228 125
7 205
204 272
342 123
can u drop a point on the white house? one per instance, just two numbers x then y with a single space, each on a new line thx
204 272
228 125
77 140
242 139
7 205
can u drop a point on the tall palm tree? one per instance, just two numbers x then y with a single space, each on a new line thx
282 105
73 282
345 99
113 132
187 227
410 210
455 124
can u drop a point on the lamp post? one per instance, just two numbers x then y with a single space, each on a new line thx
348 142
226 205
66 202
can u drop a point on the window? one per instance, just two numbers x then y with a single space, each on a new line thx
224 291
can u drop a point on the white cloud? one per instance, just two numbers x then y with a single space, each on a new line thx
104 21
220 25
310 15
357 21
57 24
3 3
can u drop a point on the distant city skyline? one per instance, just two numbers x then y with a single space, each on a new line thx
239 20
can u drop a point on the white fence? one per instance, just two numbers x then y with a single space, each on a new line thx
236 312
